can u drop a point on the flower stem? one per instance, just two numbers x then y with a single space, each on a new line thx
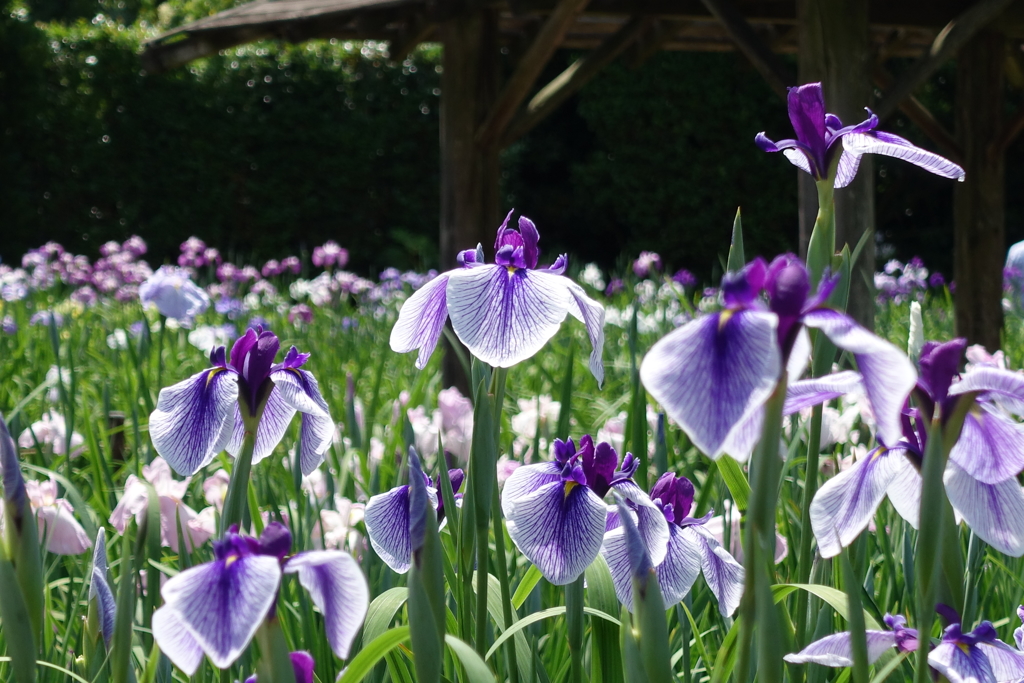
822 244
506 594
574 624
804 556
929 543
238 487
275 661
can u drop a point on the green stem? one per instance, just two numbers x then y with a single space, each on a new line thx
275 660
822 244
574 626
481 589
506 594
804 555
855 619
237 499
929 543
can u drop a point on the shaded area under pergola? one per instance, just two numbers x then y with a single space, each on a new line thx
844 43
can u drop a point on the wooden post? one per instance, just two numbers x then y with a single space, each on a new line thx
469 171
979 202
834 49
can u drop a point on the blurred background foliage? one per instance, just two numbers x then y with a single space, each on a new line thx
270 149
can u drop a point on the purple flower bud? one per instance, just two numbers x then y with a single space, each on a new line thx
936 280
788 285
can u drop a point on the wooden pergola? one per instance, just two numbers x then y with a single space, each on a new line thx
844 43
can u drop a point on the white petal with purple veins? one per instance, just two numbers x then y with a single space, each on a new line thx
650 522
1007 663
300 390
844 506
421 320
721 570
176 641
387 523
277 415
712 373
990 447
894 146
1008 387
798 159
810 392
837 650
339 591
995 512
222 603
904 490
849 162
559 528
506 315
591 314
676 573
959 666
887 374
187 427
525 480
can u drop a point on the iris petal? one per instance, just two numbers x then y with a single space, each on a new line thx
961 665
591 314
798 158
712 373
61 531
849 163
525 480
1007 386
277 415
837 649
891 145
651 521
176 641
300 390
505 315
188 424
222 603
1007 664
721 570
339 591
676 573
559 527
421 320
990 447
387 523
904 490
995 512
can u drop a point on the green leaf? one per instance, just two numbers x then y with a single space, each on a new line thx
606 653
526 586
541 616
20 642
736 257
739 487
632 665
476 668
565 399
121 641
368 657
382 611
725 662
833 596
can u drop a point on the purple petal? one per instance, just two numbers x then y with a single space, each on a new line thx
849 163
990 447
650 520
176 641
844 506
277 415
387 523
806 105
222 603
339 591
591 314
837 650
721 570
967 665
300 390
895 146
61 531
995 512
525 480
530 239
712 373
189 425
939 363
506 315
1004 385
811 392
888 375
303 664
680 568
421 320
559 528
99 588
1007 664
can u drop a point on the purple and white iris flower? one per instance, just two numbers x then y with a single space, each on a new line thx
302 665
196 419
216 608
691 549
504 312
556 514
389 521
99 589
173 293
714 374
837 649
976 657
818 137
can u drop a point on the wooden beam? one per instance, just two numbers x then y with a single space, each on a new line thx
579 73
661 32
415 31
921 117
750 44
1010 131
536 57
946 44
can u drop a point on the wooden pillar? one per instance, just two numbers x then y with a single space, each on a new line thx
835 50
469 172
979 202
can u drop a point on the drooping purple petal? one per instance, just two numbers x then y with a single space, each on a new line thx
188 427
222 603
837 649
849 163
1007 663
559 528
303 664
650 520
888 375
961 664
421 320
810 392
387 523
176 641
995 512
1004 386
721 570
990 447
505 315
891 145
845 504
277 415
300 390
679 569
712 373
591 314
339 591
525 480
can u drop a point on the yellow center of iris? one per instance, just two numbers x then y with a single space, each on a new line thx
964 647
724 318
213 371
569 486
230 560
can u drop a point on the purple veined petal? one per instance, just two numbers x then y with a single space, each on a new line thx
651 521
680 569
849 163
1007 663
894 146
559 527
99 588
799 356
845 504
188 424
222 603
712 373
339 591
837 650
525 480
995 512
810 392
1005 386
990 447
968 665
798 158
176 641
741 440
888 375
722 572
591 314
277 415
506 315
387 524
421 320
300 390
904 490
